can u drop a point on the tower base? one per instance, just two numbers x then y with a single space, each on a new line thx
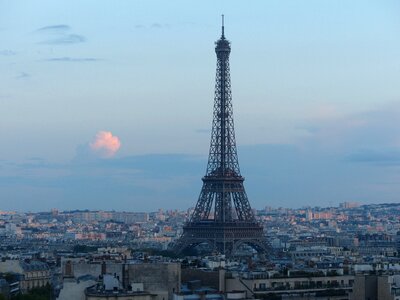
225 238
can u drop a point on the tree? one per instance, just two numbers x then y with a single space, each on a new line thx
42 293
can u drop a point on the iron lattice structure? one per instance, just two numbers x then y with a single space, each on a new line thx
223 217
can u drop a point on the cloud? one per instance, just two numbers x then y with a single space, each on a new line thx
153 25
383 157
5 96
105 144
22 75
54 28
65 39
7 52
375 130
60 35
73 59
158 25
148 181
174 180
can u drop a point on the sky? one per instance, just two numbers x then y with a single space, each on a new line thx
108 104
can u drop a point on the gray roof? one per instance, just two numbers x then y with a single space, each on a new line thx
34 266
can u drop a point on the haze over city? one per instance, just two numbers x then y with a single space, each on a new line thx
110 106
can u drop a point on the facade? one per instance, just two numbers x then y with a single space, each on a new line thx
125 217
34 273
4 288
376 287
92 294
163 279
111 288
298 286
159 281
74 288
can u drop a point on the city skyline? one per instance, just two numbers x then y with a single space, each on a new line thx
109 106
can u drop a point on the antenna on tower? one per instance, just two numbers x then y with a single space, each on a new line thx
223 26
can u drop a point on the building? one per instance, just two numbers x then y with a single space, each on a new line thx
34 273
74 288
160 280
4 288
110 287
376 287
261 285
223 218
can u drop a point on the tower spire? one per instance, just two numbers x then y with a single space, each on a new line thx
223 33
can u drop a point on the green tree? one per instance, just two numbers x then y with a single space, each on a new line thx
42 293
84 248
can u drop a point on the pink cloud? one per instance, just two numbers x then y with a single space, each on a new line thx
105 144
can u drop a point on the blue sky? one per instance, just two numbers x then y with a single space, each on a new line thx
315 90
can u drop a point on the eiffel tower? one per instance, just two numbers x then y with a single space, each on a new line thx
223 217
